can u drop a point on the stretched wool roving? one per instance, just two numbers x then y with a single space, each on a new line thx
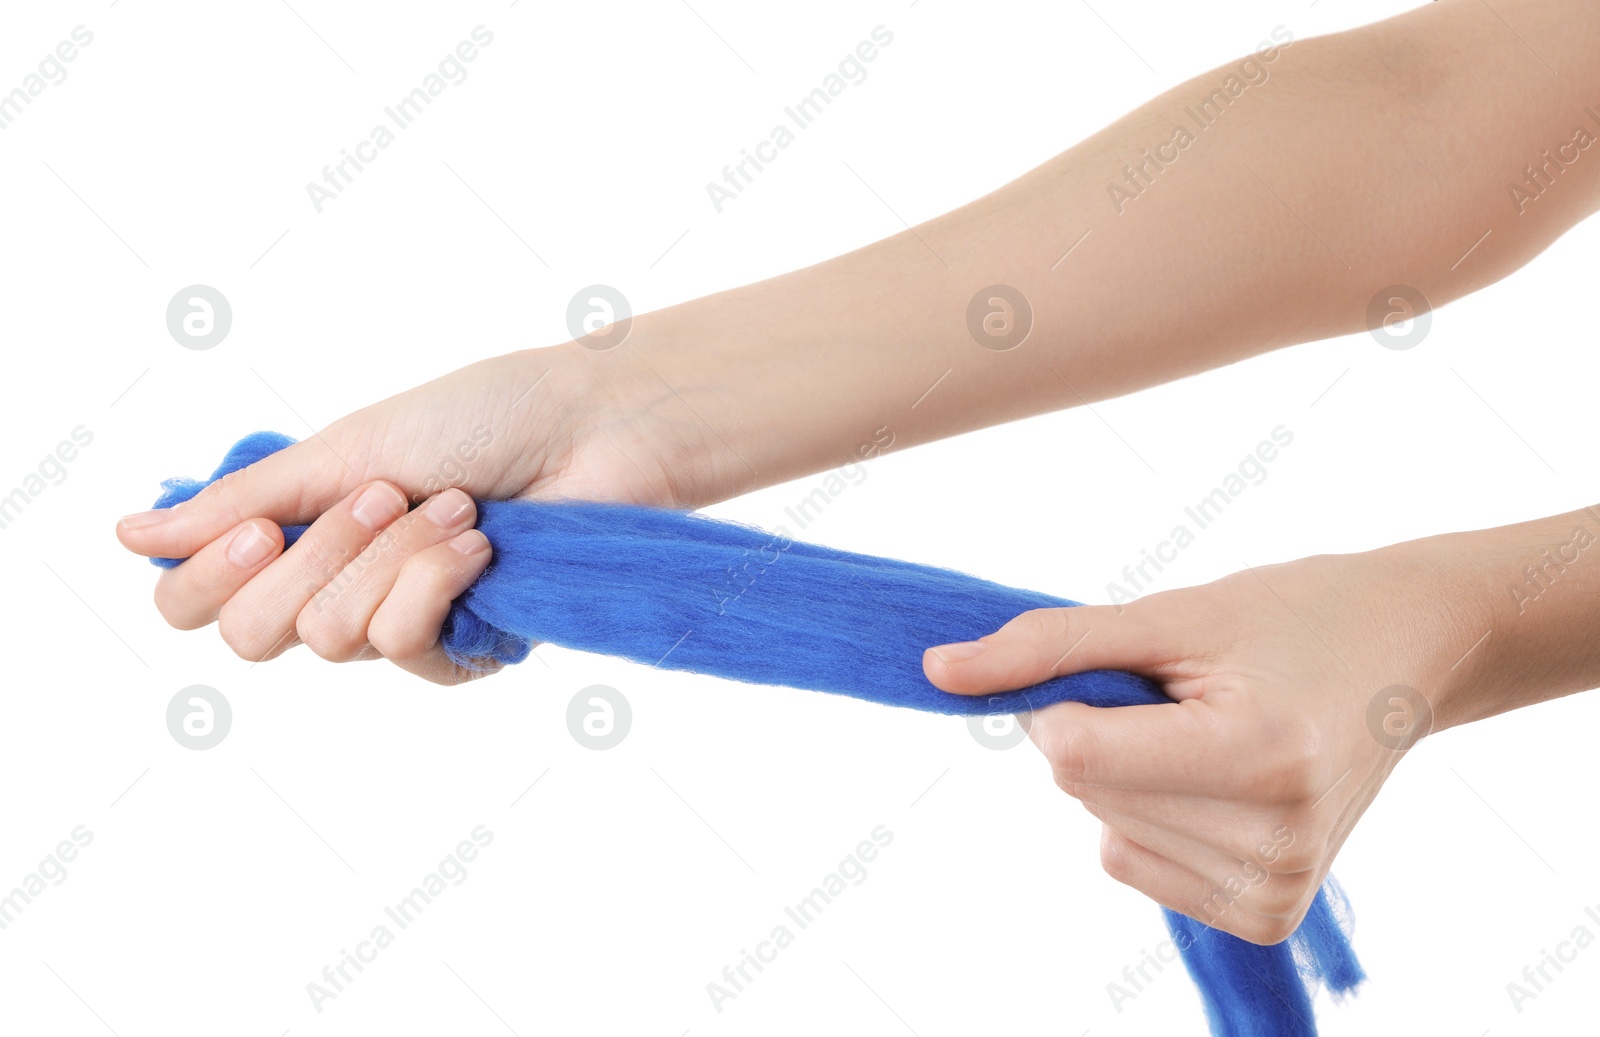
682 591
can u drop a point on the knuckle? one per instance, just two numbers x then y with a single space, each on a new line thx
1072 788
1289 772
1266 929
395 641
244 633
1215 908
169 602
432 574
1303 854
1048 624
1257 929
330 562
1068 757
1288 847
1279 897
222 496
1116 856
229 498
457 675
327 634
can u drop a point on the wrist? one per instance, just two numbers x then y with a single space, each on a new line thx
1424 621
625 424
1450 577
730 402
1524 608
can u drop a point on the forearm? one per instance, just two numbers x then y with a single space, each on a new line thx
1353 162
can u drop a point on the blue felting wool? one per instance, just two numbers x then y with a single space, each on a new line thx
674 589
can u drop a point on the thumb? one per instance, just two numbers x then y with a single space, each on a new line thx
1045 643
261 478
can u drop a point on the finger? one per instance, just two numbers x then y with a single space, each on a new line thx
290 487
258 622
190 596
407 625
1166 747
1046 643
1173 886
1245 881
334 622
1236 829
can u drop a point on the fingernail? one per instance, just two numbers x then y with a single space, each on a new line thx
446 508
471 542
145 519
249 547
378 505
959 652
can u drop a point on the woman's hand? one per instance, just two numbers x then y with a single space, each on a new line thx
370 578
1298 689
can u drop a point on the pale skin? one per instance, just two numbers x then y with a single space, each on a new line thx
1273 668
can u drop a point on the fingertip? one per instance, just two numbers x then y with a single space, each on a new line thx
175 532
376 504
253 543
194 594
406 626
140 532
946 668
292 486
449 508
471 543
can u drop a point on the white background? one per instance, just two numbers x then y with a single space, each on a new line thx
219 883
